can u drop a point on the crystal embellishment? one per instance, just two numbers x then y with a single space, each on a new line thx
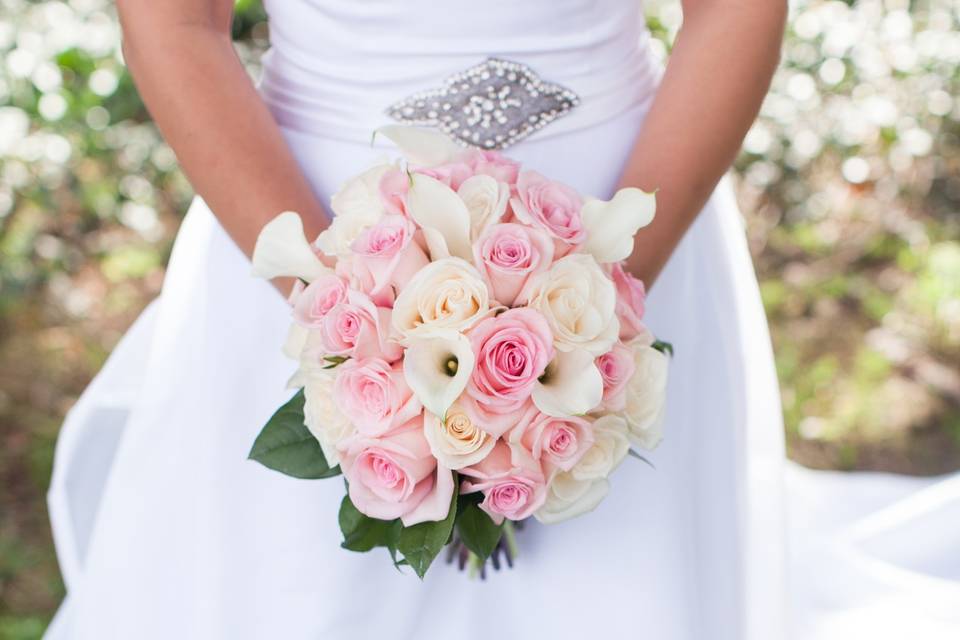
491 105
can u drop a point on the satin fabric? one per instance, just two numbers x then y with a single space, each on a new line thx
334 67
165 530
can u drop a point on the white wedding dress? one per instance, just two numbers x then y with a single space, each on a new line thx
164 529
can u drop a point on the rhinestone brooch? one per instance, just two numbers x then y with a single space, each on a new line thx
491 105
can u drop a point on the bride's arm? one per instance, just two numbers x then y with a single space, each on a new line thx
182 59
716 77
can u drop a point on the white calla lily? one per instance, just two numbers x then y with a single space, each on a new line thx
282 249
422 146
437 365
436 244
612 224
436 207
571 385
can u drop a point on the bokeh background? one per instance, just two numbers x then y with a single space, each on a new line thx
850 183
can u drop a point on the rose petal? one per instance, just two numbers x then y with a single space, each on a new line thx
436 505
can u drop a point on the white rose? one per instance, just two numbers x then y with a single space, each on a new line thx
356 206
486 200
610 447
456 442
646 394
322 417
579 301
446 294
568 497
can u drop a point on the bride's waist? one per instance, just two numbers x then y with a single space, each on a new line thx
345 96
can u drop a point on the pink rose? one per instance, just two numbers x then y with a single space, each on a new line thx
395 476
493 164
393 188
317 299
386 254
616 367
451 174
508 254
551 206
358 328
512 483
631 298
512 350
496 423
557 443
374 395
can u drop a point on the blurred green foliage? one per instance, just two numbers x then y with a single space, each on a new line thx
850 183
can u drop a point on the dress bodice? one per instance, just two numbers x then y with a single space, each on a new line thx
336 65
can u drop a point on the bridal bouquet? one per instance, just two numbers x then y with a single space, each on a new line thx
475 357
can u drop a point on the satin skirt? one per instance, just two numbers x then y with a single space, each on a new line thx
164 529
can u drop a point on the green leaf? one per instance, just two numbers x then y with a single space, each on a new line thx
634 454
421 543
663 347
363 533
478 532
286 445
335 361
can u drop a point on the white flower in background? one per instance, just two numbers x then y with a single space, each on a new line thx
356 206
456 442
322 417
579 301
437 365
486 200
646 394
611 225
571 385
446 294
282 249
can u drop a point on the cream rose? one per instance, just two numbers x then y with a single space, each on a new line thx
486 200
610 447
646 394
356 206
579 301
456 442
568 498
446 294
322 416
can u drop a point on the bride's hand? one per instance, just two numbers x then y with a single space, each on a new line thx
182 59
716 78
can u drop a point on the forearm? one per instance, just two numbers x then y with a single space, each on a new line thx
225 138
715 81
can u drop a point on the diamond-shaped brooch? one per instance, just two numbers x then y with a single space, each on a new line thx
491 105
